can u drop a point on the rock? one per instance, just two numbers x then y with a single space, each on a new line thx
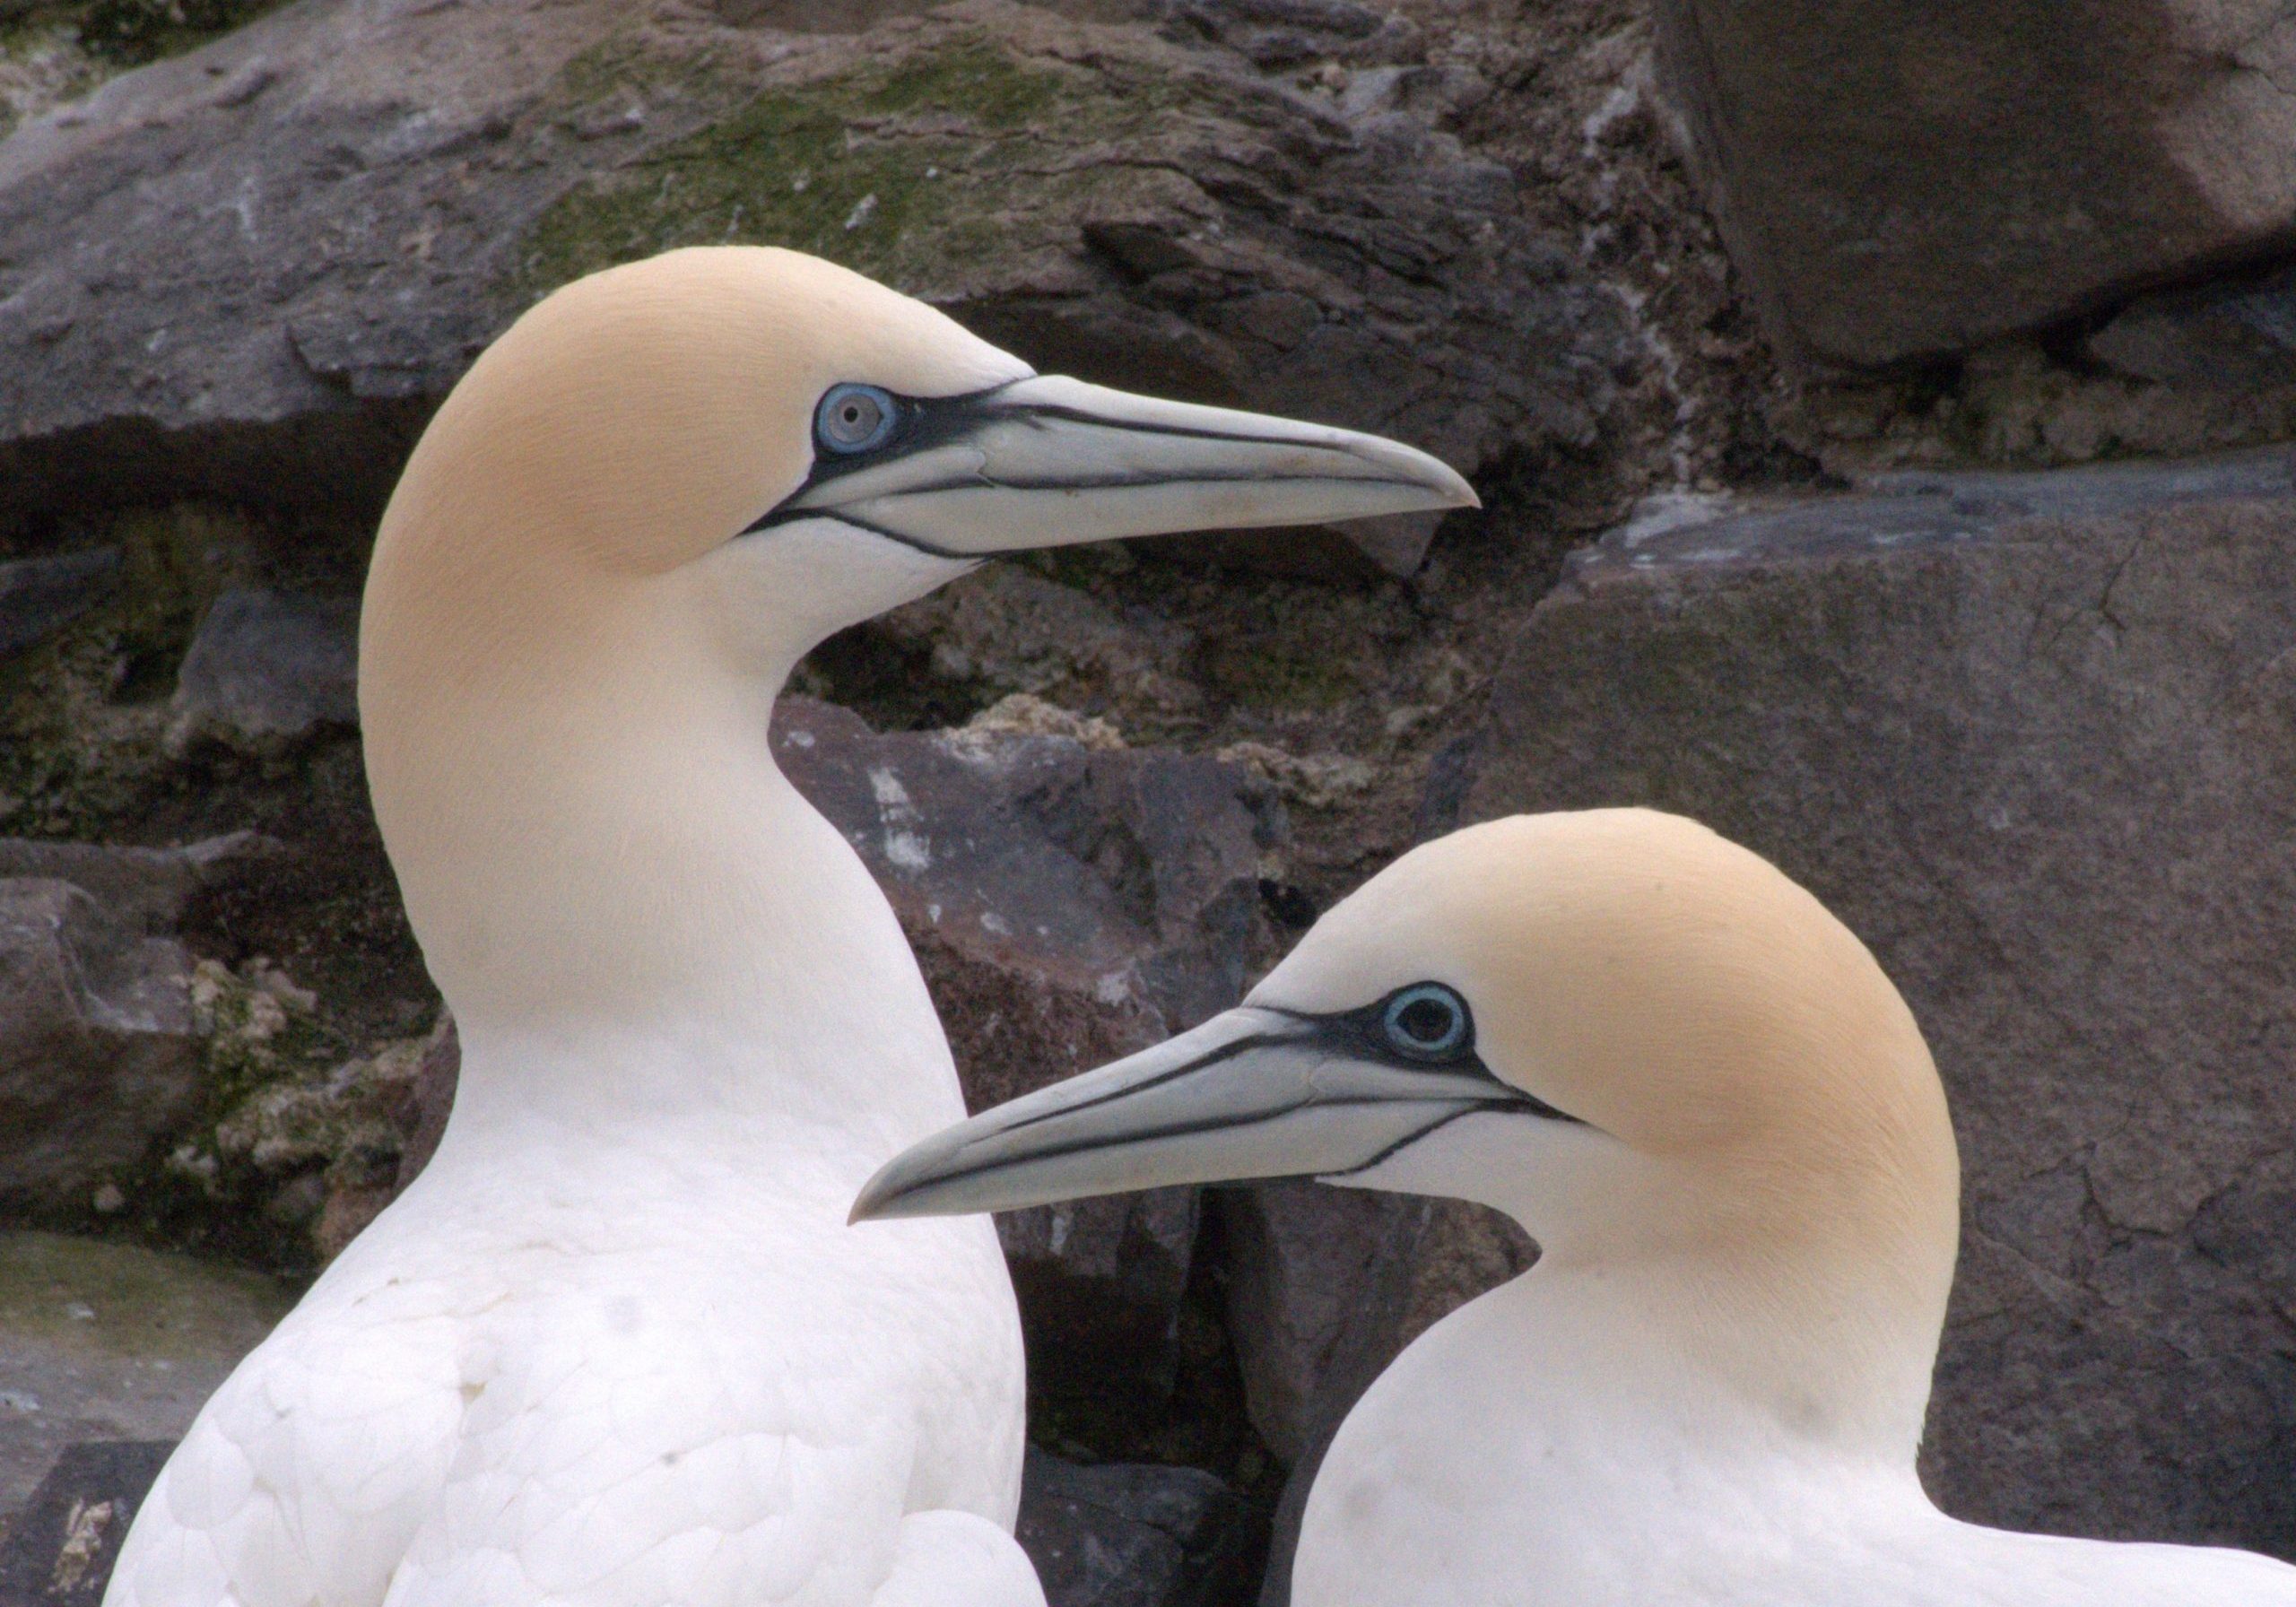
1071 903
107 1341
1325 1287
302 1144
1897 182
1303 1260
1100 1282
2236 337
267 668
2034 739
1130 1535
60 1550
146 889
40 597
1068 904
430 1097
100 1054
247 272
1027 636
330 1151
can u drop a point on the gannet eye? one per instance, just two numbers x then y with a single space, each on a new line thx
1427 1022
854 418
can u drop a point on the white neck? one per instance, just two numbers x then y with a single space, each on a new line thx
1605 1460
633 915
1818 1316
743 980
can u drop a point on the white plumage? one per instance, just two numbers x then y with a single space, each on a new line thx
618 1345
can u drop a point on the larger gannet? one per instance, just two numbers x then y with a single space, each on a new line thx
1701 1095
617 1345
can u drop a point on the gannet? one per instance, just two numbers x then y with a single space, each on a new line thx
1698 1093
617 1344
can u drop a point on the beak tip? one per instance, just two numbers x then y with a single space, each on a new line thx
874 1201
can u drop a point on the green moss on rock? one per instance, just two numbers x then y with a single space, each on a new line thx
898 168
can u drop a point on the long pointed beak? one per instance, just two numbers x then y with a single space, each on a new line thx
1251 1093
1049 461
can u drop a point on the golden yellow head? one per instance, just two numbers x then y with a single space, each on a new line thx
1654 1051
661 487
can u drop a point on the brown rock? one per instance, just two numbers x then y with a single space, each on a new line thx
249 271
2034 738
99 1052
2234 336
1302 1259
1325 1287
1100 1282
1903 179
427 1101
147 889
1069 904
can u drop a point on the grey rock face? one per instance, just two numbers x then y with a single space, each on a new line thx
1903 179
1100 1282
103 1341
266 668
2226 337
249 271
145 890
39 597
1304 1261
1129 1535
1068 905
99 1052
1325 1288
2034 738
60 1550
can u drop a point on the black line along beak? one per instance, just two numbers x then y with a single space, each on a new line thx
1048 461
1251 1093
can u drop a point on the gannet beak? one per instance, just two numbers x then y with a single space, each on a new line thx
1046 461
1251 1093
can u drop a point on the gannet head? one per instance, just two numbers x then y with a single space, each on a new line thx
1643 1042
783 419
658 490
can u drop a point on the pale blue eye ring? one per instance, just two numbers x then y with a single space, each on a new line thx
1427 1022
854 418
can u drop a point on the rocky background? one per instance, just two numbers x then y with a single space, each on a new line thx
1879 413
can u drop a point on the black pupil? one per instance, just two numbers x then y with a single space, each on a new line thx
1425 1020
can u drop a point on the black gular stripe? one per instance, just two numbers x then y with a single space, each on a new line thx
975 559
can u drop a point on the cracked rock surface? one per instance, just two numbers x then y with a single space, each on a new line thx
1901 179
2034 739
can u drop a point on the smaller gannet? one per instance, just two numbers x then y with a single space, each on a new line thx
1699 1092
